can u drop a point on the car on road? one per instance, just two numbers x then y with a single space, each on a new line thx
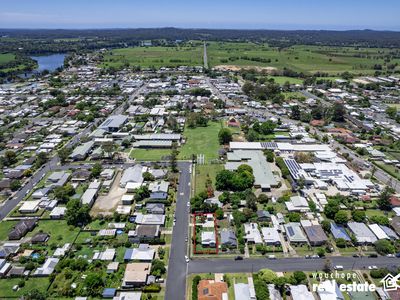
187 259
314 256
356 255
238 258
338 268
271 257
372 267
373 255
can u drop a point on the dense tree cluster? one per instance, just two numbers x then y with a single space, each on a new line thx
238 180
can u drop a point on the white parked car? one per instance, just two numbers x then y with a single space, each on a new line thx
187 259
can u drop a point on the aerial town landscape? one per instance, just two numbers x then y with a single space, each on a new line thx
199 164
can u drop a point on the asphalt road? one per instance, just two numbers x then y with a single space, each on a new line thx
177 266
205 59
285 264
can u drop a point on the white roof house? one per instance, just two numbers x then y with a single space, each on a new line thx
47 268
297 203
242 291
106 255
378 231
133 174
252 234
208 238
143 253
328 290
150 219
300 292
58 212
270 235
89 196
362 233
29 206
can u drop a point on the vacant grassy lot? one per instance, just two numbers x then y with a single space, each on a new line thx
59 231
5 228
155 56
6 285
307 59
201 140
204 171
150 154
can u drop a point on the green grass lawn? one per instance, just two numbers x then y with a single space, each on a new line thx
283 79
5 228
150 154
6 58
60 232
204 171
201 140
6 285
390 169
188 55
300 58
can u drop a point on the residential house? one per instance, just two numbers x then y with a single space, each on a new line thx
208 239
29 207
362 233
339 232
136 275
211 290
22 228
252 234
294 233
297 203
155 208
263 216
150 219
47 268
315 234
144 233
271 236
228 238
143 253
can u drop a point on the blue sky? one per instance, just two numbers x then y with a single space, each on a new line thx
250 14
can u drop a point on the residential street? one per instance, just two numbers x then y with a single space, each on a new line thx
177 266
285 264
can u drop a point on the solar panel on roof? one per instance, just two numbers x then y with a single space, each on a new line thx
290 231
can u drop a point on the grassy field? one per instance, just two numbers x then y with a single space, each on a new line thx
201 175
201 140
155 56
5 228
300 58
6 58
307 59
283 79
6 285
149 154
